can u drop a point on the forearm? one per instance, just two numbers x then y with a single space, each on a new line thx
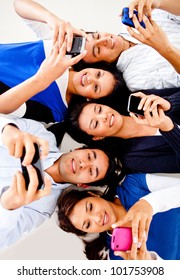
165 199
31 10
172 55
16 96
172 6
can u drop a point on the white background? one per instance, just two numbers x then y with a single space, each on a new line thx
48 242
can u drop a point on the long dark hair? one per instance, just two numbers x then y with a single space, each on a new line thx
95 249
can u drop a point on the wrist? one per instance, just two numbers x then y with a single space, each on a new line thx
167 126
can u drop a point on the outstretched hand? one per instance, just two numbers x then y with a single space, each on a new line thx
144 7
154 112
56 63
140 216
136 253
63 29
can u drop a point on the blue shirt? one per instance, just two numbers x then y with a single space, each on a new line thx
20 61
164 232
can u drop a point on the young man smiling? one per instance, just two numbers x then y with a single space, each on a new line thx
21 209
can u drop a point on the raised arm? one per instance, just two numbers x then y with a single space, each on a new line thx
51 68
32 10
146 7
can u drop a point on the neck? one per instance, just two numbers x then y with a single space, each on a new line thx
128 45
131 129
53 171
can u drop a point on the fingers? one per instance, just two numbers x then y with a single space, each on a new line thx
47 188
77 58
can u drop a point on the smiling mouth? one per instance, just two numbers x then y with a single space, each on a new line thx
83 80
111 121
112 42
73 166
106 219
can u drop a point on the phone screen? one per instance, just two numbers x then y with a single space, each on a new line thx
36 163
133 104
78 45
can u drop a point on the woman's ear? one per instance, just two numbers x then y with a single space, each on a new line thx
98 138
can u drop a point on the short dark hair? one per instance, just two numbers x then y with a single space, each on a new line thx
114 173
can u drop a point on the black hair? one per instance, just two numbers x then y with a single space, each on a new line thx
68 199
119 81
114 173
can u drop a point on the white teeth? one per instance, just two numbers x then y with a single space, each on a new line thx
105 219
111 120
83 80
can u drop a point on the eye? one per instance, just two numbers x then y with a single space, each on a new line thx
90 207
95 88
98 74
88 225
95 124
89 156
99 109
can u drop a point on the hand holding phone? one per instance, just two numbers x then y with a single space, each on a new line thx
78 45
133 103
36 163
127 20
121 239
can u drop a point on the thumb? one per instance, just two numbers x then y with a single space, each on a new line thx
120 254
122 221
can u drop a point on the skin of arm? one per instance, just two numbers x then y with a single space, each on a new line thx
17 195
51 68
29 9
146 7
154 36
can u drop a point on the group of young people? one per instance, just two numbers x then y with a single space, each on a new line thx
38 82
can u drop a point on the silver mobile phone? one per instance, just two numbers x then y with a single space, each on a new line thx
78 45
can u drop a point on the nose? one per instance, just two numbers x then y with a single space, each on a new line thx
83 164
96 218
90 79
102 41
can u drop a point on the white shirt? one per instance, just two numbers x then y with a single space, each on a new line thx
16 223
143 67
165 191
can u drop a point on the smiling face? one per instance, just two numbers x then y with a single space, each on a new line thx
93 214
100 120
103 47
93 83
83 166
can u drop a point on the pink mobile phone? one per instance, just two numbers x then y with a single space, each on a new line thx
121 239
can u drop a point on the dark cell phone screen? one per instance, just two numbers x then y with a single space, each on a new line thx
133 104
36 163
78 45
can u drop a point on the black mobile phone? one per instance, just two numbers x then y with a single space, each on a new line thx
78 45
128 21
133 103
36 163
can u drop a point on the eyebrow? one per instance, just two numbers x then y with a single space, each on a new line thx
92 119
84 221
97 170
93 48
